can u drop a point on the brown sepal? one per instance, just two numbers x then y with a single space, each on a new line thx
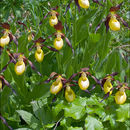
13 38
84 69
5 82
69 44
67 41
51 48
52 76
23 25
39 40
122 20
77 4
33 67
5 25
107 22
103 81
58 26
70 79
11 56
115 8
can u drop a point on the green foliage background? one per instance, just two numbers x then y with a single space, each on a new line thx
104 53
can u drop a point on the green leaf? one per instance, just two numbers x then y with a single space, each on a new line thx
123 112
114 62
69 71
49 125
80 29
23 44
73 109
42 111
39 110
103 44
94 37
59 107
30 119
39 91
94 109
75 128
92 123
4 97
94 100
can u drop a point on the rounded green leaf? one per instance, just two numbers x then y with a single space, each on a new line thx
92 123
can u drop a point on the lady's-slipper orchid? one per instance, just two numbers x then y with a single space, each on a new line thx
20 62
8 36
38 44
58 42
112 20
82 4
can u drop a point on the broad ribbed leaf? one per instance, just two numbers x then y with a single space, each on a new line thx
92 123
30 119
38 108
73 109
93 100
123 112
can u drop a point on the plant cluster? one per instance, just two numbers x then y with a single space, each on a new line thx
53 101
83 83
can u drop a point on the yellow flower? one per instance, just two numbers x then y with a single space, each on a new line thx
0 85
4 40
114 24
69 94
53 20
58 43
83 82
19 66
56 86
120 96
107 86
83 4
39 54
